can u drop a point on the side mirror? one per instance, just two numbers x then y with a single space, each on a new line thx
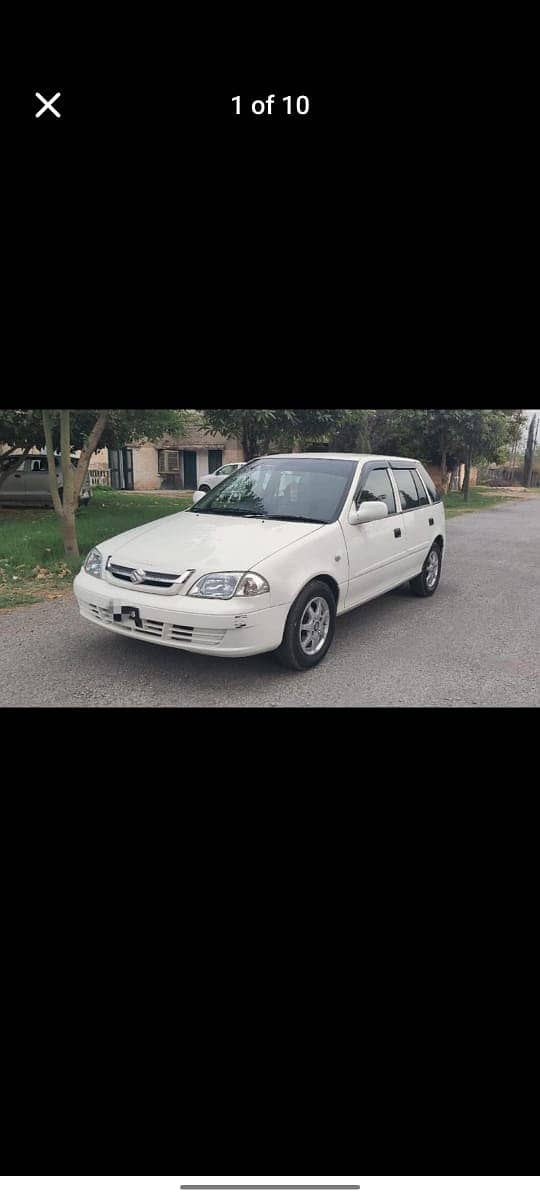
370 510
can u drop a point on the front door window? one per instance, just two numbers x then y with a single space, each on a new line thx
377 486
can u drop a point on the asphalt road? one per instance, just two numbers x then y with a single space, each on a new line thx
475 644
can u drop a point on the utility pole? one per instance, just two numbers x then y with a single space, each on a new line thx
532 442
535 445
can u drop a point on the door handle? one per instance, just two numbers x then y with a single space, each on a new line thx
397 532
17 476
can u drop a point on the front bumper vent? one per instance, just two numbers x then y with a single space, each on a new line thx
162 630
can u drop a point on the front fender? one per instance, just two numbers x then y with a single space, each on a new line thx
321 552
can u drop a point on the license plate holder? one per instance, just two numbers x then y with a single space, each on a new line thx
122 613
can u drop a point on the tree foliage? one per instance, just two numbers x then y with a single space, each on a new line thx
260 429
437 435
351 433
443 435
84 430
126 425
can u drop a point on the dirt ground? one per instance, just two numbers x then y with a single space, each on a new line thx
517 493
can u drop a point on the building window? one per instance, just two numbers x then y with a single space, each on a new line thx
168 462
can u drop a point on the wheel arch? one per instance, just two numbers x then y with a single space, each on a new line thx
329 580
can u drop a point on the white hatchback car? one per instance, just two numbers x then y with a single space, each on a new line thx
207 482
272 557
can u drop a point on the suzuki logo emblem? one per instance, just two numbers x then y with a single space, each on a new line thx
137 576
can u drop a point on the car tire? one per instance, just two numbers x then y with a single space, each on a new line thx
426 583
299 650
84 503
204 488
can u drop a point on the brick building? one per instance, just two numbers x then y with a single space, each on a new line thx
170 462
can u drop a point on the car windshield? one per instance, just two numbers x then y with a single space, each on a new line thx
283 489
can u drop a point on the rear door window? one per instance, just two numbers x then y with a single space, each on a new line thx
407 489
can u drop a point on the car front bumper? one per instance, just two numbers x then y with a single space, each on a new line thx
213 627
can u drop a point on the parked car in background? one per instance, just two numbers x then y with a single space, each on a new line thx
268 560
207 482
29 486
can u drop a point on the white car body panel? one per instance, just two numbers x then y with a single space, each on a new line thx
359 561
203 542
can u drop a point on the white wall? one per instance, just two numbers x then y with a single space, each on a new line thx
202 463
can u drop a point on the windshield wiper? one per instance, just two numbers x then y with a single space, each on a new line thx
289 517
230 512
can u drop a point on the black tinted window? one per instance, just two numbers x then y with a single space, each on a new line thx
432 490
288 489
422 498
377 486
407 489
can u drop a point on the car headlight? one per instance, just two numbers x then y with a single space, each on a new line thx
223 585
94 564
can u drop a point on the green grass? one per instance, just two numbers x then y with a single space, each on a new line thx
479 498
32 560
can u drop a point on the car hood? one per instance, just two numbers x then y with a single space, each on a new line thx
204 542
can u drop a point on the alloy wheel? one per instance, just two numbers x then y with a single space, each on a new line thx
314 625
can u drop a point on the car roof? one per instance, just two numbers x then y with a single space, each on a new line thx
395 458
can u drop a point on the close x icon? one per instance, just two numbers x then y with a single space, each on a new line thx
47 106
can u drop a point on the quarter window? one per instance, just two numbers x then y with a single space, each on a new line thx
422 498
430 486
378 486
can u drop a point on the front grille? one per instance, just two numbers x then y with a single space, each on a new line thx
150 578
161 629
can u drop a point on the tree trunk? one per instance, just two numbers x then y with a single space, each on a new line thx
68 499
53 484
86 454
467 478
445 476
249 440
69 534
513 462
66 508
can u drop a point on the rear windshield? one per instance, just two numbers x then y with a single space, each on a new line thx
283 489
